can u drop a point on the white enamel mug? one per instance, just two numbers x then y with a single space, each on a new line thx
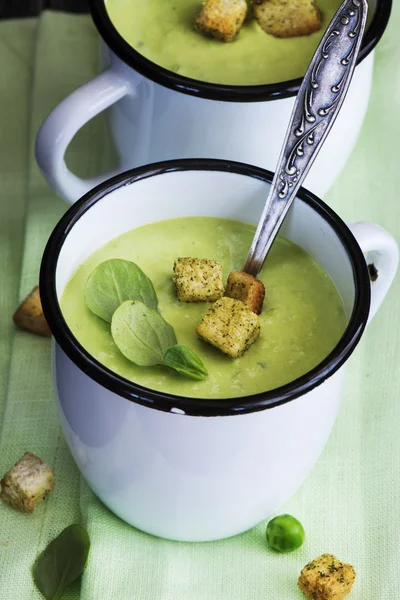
155 114
201 469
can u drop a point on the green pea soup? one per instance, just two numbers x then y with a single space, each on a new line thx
302 320
163 31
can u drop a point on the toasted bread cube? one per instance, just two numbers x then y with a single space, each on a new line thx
198 279
246 288
326 578
222 19
27 483
230 326
29 315
287 18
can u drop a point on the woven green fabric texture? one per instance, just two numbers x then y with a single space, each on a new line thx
39 71
349 503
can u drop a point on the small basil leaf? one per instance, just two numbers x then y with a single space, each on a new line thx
61 562
113 282
185 361
141 334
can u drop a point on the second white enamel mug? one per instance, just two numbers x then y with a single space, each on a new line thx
155 114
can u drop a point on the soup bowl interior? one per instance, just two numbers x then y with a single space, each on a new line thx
204 188
184 193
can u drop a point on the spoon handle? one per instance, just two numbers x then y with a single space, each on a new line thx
317 105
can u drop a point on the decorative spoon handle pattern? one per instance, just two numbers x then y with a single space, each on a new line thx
317 105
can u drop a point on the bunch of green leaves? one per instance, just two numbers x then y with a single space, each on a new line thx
120 293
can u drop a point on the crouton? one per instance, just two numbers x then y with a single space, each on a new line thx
246 288
222 19
198 280
287 18
29 315
326 578
230 326
27 483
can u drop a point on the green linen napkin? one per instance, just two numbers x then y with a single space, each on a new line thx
349 503
37 73
16 80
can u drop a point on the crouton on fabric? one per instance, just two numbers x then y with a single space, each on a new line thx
326 578
27 483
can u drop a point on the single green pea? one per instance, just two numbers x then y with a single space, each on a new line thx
285 533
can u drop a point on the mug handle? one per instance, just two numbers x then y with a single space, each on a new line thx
65 121
381 253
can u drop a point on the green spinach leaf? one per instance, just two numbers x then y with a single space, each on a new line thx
113 282
61 562
141 334
185 361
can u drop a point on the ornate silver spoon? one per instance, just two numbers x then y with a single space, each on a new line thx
317 105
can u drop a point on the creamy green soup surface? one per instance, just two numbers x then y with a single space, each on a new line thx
163 32
302 320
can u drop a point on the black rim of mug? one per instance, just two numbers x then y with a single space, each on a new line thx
230 93
200 406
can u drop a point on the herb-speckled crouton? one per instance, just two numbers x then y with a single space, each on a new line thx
198 279
287 18
29 315
222 19
27 483
246 288
326 578
230 326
